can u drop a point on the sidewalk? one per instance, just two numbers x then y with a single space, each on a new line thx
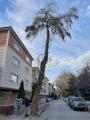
19 117
42 107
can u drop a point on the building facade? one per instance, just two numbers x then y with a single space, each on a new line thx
45 87
51 89
35 73
15 65
45 84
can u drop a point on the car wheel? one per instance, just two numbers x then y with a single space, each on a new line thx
74 108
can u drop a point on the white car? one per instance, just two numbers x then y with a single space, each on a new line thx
79 104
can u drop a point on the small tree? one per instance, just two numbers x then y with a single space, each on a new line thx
53 25
21 91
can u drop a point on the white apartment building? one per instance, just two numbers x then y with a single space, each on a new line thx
45 84
45 87
15 65
35 73
51 89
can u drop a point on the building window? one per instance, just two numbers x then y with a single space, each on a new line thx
43 90
26 82
44 84
27 70
14 78
27 59
3 96
17 47
35 79
16 62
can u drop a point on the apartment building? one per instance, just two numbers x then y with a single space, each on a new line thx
35 73
45 85
15 65
51 89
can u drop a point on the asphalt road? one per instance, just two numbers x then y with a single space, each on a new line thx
58 110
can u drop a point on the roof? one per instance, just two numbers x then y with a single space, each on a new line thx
18 39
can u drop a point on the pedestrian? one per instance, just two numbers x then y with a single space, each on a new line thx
27 103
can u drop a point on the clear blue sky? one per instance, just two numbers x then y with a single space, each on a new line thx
68 56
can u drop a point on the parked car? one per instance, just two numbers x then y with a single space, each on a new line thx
78 103
49 99
65 99
70 100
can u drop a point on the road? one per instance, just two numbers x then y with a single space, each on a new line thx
58 110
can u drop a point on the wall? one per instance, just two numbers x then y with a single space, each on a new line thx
10 68
3 36
45 87
2 59
7 97
23 53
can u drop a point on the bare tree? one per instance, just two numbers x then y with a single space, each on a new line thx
53 25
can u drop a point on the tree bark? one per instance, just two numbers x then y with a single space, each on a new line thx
35 98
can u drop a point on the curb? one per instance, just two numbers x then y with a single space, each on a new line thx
42 108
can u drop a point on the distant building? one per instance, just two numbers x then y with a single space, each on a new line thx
15 65
45 84
45 87
51 89
35 73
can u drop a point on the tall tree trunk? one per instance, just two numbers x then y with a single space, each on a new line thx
35 98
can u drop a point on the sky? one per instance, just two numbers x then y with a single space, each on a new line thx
70 56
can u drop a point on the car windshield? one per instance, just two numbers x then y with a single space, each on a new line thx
78 99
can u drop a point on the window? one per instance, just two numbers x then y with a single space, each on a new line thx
27 70
17 47
14 78
3 96
44 84
15 61
43 90
27 59
26 82
35 79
